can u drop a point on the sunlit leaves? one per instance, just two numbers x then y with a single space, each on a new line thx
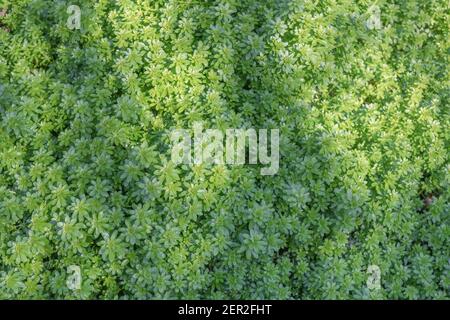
86 177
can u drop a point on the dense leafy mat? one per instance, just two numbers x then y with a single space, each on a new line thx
85 176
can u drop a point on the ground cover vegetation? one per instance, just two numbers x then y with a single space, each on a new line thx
86 177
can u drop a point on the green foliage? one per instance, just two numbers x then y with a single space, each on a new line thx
85 171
